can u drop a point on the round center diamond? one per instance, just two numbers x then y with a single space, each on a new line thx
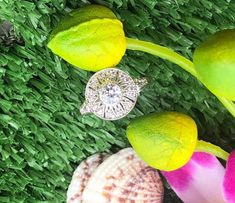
110 94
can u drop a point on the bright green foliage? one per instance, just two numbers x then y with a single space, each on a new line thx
43 137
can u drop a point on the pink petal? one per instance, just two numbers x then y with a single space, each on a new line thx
200 180
229 179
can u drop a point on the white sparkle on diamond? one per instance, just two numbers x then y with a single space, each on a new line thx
110 94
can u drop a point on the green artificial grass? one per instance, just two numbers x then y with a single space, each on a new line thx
43 137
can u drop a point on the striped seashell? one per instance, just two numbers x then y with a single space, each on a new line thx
124 178
81 176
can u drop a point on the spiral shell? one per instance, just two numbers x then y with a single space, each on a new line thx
124 177
81 176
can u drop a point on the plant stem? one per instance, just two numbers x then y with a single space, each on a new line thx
207 147
162 52
166 53
229 105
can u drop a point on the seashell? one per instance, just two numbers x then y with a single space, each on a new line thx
124 178
81 176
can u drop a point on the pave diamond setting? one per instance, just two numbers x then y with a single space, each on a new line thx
111 94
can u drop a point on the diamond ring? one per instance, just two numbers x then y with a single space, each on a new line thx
111 94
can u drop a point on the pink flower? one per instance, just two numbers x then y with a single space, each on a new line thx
204 180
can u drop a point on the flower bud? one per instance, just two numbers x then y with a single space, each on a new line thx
90 38
165 141
215 63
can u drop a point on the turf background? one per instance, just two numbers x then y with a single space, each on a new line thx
42 135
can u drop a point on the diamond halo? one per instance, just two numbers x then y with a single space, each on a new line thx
111 94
